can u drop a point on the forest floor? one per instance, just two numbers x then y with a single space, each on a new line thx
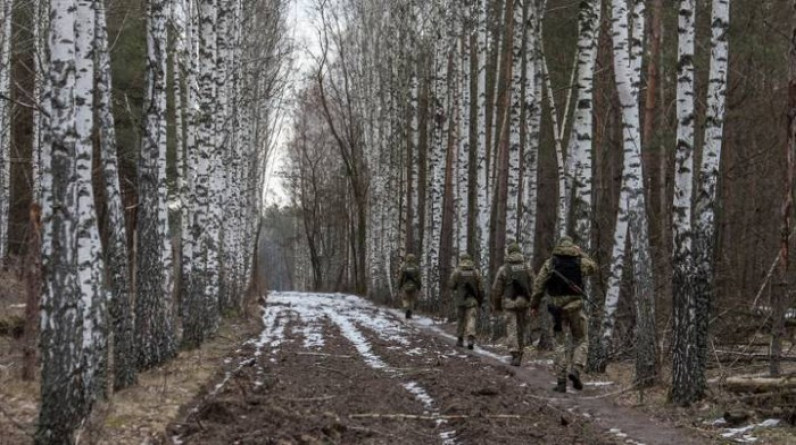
136 415
338 369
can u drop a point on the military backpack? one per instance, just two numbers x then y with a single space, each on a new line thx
467 285
411 279
518 283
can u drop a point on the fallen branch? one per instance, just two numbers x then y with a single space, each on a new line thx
744 356
759 384
307 399
321 354
440 417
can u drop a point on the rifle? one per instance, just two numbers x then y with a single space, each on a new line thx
573 286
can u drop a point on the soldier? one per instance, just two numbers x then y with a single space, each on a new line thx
465 282
562 277
511 293
409 283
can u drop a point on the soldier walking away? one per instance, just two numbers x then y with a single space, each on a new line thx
562 277
409 283
467 287
511 292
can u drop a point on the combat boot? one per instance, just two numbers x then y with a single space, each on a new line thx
408 314
574 375
470 342
460 342
516 358
561 385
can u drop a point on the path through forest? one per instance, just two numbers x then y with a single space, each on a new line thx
338 369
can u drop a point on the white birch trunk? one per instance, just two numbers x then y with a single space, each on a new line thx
116 249
516 102
38 76
153 323
89 260
5 127
463 156
627 68
482 171
580 151
62 395
706 200
533 119
683 343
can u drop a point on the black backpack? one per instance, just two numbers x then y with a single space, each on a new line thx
518 281
467 286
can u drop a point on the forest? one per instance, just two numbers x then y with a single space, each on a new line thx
140 139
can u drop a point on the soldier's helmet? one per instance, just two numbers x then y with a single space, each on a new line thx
410 258
566 241
514 248
465 257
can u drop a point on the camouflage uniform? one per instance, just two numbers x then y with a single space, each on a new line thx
409 282
566 306
467 287
513 300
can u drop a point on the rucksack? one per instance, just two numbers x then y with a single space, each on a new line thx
518 281
467 286
411 282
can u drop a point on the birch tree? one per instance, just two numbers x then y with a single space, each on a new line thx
89 264
153 325
580 150
62 396
683 309
627 28
116 254
705 204
5 126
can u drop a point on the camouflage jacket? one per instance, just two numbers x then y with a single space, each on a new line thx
502 280
458 279
587 267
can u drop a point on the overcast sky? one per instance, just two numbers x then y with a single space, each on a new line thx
302 31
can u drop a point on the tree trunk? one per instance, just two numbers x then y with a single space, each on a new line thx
62 397
153 323
683 346
5 127
705 214
116 255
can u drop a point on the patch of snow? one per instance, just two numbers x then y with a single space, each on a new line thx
416 352
740 434
598 383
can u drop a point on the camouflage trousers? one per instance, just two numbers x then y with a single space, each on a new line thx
408 299
516 325
466 317
574 321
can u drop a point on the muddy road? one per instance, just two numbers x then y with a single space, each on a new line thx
338 369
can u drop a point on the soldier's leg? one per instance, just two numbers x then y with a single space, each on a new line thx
561 355
469 329
404 299
573 324
580 334
461 314
522 327
511 332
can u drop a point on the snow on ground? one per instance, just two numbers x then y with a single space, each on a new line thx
741 435
350 314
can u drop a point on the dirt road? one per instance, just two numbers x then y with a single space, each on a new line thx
337 369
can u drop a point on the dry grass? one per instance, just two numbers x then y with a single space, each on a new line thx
133 416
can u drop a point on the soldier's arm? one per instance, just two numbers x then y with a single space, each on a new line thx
453 279
479 284
497 290
539 284
587 265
